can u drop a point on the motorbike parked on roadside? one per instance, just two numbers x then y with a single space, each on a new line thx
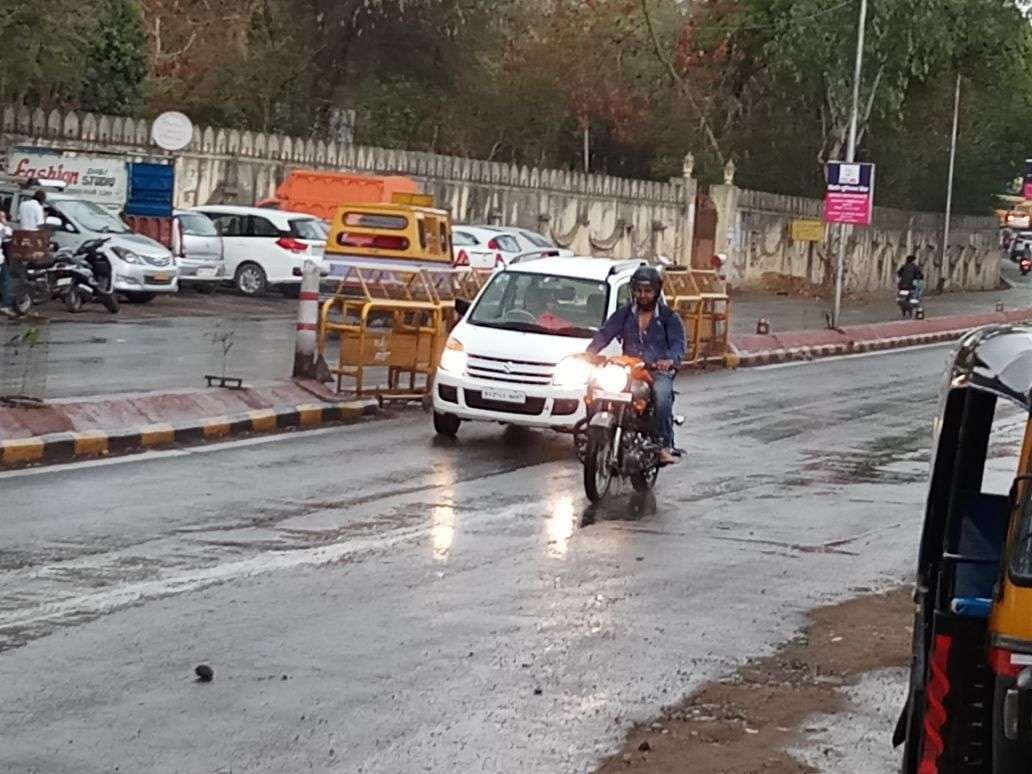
76 277
617 439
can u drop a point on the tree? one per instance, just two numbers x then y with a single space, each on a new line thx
116 59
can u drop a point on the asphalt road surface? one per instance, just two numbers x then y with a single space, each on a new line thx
374 600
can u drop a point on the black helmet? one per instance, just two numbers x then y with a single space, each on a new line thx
646 275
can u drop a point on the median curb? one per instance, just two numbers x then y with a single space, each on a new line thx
800 346
73 446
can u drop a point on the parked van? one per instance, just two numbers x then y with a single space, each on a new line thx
384 235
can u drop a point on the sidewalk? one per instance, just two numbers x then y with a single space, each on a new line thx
78 428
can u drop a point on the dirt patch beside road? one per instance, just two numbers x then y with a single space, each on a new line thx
746 723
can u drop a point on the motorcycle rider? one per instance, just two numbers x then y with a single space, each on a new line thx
652 331
911 277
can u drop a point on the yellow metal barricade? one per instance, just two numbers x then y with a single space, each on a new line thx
714 317
685 298
384 319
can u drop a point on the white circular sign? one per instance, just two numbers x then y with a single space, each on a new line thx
172 131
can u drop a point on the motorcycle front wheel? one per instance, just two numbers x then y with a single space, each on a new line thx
110 302
598 475
643 482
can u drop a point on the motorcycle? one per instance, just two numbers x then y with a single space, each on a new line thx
616 440
76 277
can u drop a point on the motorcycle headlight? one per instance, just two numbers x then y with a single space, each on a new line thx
126 255
572 372
612 378
453 359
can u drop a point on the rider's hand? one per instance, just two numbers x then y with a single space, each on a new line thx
663 366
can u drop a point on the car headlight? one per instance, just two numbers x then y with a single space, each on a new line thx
453 359
612 378
126 255
572 372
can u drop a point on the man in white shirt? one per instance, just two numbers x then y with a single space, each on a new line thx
30 212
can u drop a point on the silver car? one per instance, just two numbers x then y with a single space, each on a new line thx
198 246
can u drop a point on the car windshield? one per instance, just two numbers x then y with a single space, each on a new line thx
307 228
91 217
542 303
536 239
195 224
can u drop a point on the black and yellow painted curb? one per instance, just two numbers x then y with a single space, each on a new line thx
796 354
69 447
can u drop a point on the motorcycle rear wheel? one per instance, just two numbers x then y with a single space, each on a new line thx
598 476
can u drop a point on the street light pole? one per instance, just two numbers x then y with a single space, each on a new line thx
850 157
949 189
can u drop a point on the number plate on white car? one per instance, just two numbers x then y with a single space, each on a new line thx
504 396
615 397
207 272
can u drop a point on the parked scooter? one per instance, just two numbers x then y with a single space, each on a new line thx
75 277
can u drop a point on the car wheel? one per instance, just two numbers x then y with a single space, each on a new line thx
139 298
446 424
250 279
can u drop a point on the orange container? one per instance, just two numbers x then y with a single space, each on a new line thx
321 193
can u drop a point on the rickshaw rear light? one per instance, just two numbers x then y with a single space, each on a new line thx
1002 663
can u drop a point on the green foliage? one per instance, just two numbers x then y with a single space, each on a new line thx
116 59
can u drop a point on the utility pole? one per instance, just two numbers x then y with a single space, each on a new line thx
949 189
850 157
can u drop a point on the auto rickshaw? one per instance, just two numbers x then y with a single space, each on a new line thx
969 707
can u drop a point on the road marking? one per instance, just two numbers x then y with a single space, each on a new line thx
881 352
171 453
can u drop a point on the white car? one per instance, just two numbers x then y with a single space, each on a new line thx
141 267
266 248
491 247
508 358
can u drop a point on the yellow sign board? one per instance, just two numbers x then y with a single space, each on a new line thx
413 199
807 230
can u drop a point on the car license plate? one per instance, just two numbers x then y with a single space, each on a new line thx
207 272
504 396
64 282
615 397
160 277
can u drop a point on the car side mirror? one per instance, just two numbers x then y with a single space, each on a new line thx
53 222
462 306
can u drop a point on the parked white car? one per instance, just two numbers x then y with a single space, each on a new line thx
198 250
508 358
141 267
491 247
265 248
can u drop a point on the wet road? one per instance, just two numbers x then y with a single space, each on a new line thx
373 600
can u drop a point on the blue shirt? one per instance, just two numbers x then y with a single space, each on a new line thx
662 340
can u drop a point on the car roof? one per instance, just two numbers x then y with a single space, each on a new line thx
234 209
579 267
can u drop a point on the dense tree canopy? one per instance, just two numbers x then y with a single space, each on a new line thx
765 83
